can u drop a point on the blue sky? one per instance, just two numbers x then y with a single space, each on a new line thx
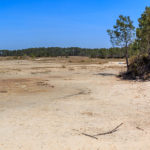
64 23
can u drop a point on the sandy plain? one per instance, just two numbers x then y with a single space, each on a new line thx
47 103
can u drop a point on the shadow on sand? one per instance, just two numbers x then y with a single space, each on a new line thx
106 74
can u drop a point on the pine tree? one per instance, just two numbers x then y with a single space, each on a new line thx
143 31
122 34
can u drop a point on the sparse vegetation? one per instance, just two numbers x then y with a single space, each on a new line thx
122 37
71 69
41 72
139 67
63 66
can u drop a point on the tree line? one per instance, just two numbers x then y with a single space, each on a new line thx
71 51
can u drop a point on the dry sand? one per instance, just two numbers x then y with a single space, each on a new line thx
46 104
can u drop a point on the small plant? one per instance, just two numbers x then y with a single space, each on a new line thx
70 61
82 61
63 66
71 69
83 67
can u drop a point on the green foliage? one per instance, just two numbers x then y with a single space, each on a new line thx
139 67
66 52
122 34
134 48
143 31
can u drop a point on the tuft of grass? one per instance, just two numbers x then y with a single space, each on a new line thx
63 66
84 67
71 69
70 61
82 61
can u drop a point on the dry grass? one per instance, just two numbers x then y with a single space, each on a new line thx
83 67
3 71
87 113
63 66
75 60
41 72
3 91
24 85
16 69
37 68
71 69
15 58
70 59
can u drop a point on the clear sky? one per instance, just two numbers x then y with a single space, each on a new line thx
64 23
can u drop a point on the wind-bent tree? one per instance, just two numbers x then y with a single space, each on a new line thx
143 31
122 34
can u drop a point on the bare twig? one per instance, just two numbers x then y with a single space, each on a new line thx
109 132
140 128
89 136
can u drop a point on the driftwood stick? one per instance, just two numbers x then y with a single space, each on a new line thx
140 128
109 132
89 136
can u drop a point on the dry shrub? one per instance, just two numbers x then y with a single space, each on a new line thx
71 69
70 61
63 66
139 68
15 58
82 61
41 72
84 67
87 113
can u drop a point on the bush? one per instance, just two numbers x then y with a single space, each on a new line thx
139 68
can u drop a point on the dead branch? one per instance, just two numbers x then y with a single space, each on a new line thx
109 132
140 128
89 136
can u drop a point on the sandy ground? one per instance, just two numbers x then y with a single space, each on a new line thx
47 105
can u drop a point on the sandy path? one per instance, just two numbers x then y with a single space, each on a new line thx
46 106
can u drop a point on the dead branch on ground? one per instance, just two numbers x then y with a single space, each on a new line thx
105 133
110 132
90 136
